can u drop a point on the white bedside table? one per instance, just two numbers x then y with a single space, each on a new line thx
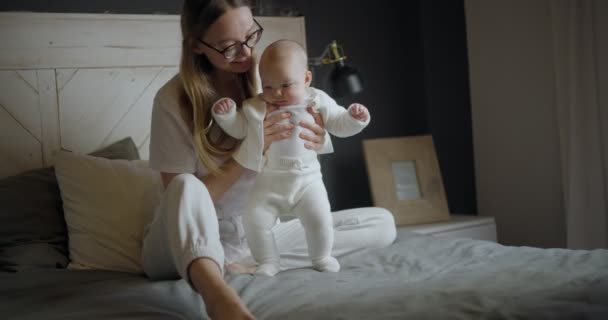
459 226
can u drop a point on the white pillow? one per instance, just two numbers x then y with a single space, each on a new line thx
107 203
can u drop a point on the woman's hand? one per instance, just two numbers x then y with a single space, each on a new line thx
316 139
274 131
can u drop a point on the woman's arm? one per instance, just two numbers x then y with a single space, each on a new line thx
216 185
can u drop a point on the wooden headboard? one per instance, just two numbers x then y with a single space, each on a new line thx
82 81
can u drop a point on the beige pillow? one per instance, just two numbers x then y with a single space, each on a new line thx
107 204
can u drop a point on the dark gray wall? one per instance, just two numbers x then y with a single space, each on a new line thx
447 98
93 6
412 58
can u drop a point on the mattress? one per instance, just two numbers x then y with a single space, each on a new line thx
418 277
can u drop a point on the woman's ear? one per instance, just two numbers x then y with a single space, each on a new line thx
308 78
196 46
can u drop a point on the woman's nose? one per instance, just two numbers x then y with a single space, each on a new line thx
245 52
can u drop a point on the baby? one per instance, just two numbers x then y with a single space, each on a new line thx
289 179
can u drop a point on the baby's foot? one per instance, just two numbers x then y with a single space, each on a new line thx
327 264
223 105
267 269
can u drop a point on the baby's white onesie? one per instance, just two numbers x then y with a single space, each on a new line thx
289 179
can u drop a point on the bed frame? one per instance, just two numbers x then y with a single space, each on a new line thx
82 81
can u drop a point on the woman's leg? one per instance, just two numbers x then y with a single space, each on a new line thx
185 228
354 230
183 241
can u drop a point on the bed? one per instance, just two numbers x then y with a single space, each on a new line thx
85 83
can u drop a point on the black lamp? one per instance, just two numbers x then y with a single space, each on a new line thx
343 80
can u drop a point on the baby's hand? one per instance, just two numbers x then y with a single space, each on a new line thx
358 111
223 106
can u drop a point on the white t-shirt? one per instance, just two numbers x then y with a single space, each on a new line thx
172 150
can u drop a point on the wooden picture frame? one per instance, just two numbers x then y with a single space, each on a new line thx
405 178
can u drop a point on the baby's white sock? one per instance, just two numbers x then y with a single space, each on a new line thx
267 269
327 264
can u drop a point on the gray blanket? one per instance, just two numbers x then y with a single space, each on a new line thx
418 277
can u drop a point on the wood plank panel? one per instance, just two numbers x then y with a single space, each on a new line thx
20 100
136 122
30 77
20 150
49 111
43 40
95 102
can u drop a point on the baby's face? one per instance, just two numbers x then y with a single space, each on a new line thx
283 84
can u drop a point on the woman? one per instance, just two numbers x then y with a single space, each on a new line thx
197 232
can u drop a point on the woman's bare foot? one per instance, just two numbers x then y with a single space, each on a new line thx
226 304
221 300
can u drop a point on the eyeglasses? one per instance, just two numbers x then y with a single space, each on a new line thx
232 51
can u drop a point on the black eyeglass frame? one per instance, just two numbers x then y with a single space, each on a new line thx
239 45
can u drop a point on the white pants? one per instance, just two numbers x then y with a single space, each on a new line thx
186 227
289 186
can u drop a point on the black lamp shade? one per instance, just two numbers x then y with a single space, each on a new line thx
344 80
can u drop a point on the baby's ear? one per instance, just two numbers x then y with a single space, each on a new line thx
308 78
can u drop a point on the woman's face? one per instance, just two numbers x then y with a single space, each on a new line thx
234 27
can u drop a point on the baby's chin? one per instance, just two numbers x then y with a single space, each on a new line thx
289 103
280 104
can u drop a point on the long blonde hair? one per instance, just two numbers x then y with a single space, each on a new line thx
198 91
